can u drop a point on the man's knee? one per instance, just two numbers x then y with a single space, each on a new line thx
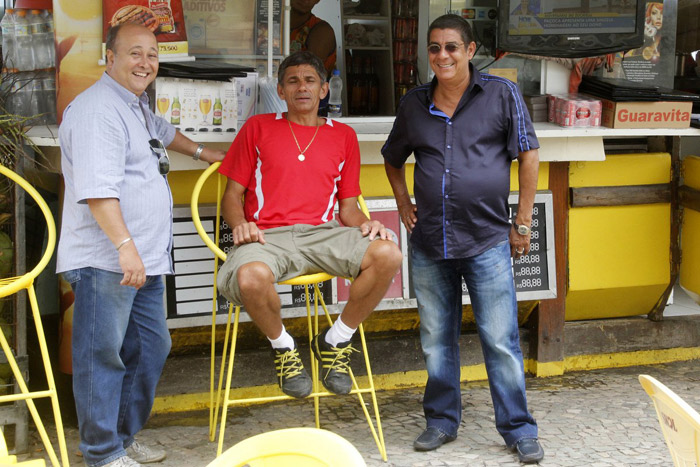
253 278
385 255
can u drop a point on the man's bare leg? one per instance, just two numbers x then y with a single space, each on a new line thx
379 265
260 299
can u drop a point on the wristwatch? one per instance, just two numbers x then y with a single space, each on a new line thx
522 229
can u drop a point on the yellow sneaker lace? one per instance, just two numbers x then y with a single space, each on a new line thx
337 359
288 363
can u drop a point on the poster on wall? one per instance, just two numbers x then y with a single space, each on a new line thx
164 18
261 26
653 63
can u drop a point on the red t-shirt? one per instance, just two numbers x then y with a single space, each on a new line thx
282 190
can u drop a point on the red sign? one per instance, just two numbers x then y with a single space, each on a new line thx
390 219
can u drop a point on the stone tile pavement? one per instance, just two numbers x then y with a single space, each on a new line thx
595 418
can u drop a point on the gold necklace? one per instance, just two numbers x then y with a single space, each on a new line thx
301 155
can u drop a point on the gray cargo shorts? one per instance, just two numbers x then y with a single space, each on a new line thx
296 250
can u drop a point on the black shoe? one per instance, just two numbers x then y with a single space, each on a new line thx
291 375
335 363
431 438
529 450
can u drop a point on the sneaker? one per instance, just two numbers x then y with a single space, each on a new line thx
124 461
529 451
291 375
335 363
143 454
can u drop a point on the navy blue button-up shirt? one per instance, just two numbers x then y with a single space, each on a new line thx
462 173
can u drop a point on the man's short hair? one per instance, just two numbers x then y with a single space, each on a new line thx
302 57
112 33
455 22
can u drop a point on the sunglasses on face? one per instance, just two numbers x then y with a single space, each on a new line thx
450 47
160 152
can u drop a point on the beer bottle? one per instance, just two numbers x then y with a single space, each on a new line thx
358 104
372 87
217 112
175 111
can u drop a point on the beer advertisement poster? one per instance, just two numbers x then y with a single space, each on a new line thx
261 26
653 63
164 17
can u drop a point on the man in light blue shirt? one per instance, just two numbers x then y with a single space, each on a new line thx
115 245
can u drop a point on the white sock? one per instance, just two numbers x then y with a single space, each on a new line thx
284 341
339 332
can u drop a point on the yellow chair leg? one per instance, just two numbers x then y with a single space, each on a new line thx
49 376
215 397
25 395
229 374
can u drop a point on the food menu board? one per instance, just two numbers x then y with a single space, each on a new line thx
164 17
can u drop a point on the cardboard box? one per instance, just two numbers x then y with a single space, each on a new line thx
197 105
646 114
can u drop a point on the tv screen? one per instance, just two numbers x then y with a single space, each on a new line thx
570 28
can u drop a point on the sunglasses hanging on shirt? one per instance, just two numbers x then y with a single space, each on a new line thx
162 154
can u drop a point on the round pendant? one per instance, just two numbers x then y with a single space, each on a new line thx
301 157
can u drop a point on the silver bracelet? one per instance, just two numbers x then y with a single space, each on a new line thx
198 152
123 242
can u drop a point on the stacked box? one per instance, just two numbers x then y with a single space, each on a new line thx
537 107
575 110
197 105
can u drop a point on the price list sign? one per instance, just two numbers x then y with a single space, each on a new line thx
534 273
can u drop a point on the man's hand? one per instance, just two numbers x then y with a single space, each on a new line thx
374 227
407 213
132 266
247 232
519 244
212 155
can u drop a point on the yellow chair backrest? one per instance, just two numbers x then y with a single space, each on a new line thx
198 224
9 288
292 447
680 423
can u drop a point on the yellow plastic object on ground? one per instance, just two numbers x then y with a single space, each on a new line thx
12 285
680 423
292 447
231 333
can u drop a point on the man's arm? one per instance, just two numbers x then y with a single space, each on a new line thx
234 215
528 167
321 41
351 216
407 210
108 214
186 146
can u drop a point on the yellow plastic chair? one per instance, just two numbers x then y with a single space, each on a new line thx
680 423
12 285
231 335
292 447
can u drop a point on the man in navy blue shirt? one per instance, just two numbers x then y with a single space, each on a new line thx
465 128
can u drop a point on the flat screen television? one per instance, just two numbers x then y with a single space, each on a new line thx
570 28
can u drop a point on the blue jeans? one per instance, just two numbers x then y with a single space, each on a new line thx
120 343
438 287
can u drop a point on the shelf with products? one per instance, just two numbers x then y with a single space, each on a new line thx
404 46
368 73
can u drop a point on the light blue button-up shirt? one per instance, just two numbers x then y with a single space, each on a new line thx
105 154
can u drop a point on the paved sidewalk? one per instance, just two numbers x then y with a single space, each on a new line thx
595 418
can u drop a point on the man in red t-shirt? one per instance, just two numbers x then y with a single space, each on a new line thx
285 174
